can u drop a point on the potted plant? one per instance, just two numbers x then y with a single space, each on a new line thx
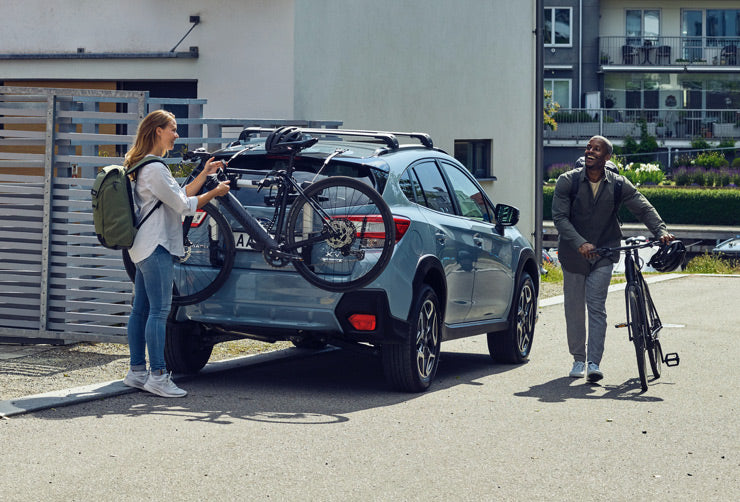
660 128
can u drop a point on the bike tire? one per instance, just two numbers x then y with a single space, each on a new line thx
353 259
655 354
638 331
209 258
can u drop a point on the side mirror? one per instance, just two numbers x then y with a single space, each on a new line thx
506 216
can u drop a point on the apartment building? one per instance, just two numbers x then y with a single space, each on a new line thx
614 63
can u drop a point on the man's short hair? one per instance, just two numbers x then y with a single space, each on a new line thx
609 146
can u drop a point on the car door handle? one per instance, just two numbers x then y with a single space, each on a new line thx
478 241
441 238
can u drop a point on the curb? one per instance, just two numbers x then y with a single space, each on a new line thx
77 395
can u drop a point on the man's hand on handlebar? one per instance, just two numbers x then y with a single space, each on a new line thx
667 238
588 250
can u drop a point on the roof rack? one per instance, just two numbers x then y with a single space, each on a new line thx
388 138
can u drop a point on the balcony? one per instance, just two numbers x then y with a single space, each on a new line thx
684 52
616 124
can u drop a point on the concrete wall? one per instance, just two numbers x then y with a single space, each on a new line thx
457 70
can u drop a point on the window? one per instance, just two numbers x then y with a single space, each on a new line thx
642 26
560 89
558 29
469 198
434 192
475 154
723 23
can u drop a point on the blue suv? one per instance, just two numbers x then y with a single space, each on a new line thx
459 266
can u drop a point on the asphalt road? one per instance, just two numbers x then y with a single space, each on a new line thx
326 428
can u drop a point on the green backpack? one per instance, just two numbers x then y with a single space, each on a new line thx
113 206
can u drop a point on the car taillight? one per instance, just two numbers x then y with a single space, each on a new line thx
362 322
200 217
370 228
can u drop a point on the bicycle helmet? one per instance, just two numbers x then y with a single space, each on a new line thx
284 139
669 257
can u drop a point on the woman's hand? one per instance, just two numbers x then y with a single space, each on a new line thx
213 165
221 189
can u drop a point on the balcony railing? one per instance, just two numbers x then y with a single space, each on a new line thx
618 123
669 51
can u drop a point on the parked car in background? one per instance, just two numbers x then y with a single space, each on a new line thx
459 267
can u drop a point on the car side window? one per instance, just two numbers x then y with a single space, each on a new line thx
470 199
435 194
410 187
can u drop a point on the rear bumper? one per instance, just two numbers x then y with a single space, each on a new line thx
388 329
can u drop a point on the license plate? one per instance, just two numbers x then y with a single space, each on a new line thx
241 241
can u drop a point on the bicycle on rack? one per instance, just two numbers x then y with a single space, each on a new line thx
337 232
643 321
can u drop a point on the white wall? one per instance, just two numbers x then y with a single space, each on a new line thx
461 69
234 72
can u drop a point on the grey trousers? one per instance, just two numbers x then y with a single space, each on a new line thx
581 293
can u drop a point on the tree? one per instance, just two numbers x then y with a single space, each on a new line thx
550 108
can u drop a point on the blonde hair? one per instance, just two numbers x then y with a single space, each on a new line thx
146 136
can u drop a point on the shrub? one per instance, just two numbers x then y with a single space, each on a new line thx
711 160
711 264
643 174
691 206
556 170
736 162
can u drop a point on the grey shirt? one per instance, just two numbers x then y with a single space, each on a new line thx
155 182
592 218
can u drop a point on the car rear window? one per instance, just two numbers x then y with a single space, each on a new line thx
307 169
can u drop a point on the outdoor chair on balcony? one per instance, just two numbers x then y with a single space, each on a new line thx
630 54
663 54
728 55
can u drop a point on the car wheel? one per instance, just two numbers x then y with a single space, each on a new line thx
411 365
184 348
513 345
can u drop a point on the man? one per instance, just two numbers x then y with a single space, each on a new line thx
586 219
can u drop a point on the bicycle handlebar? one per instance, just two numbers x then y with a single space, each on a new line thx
632 243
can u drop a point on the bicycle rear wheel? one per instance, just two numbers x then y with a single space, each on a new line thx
638 330
208 259
363 234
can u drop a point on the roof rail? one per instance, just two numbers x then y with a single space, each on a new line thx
389 138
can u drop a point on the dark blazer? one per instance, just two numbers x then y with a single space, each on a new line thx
592 219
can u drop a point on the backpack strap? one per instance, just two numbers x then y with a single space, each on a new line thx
132 170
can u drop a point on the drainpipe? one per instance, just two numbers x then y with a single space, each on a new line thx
538 142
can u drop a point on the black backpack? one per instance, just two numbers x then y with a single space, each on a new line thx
576 183
113 206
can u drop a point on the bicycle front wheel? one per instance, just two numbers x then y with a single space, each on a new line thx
208 259
344 233
209 256
638 331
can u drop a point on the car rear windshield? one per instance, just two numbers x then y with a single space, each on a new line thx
307 169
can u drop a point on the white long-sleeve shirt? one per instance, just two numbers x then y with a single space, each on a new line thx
154 182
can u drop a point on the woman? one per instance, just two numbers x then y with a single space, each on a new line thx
157 241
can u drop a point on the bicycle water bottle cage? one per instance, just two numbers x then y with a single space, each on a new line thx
671 359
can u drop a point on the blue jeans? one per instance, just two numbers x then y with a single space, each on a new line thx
583 293
147 324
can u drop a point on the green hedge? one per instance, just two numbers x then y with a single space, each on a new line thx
688 206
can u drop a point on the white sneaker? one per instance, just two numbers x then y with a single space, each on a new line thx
162 385
594 373
579 370
136 378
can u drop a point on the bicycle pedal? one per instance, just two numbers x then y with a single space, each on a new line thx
671 359
621 325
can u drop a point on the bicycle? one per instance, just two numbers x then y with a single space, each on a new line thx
643 321
337 232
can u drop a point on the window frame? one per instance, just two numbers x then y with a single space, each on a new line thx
552 18
551 81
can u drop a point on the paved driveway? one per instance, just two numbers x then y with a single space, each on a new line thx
326 428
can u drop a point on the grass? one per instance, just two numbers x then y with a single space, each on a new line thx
704 264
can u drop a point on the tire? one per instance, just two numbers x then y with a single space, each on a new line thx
208 260
184 348
411 365
350 260
514 345
655 354
638 331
